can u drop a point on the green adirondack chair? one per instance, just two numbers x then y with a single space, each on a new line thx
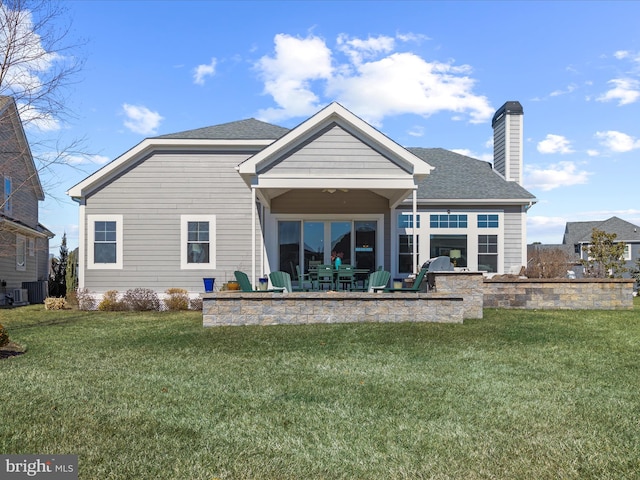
416 284
378 280
281 281
245 284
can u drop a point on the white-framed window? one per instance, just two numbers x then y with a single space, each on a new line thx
21 253
7 195
405 253
405 220
627 252
452 220
197 242
105 241
32 247
488 253
488 220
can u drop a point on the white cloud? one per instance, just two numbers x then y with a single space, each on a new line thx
34 119
288 75
487 157
625 90
545 229
140 119
562 174
555 144
201 72
416 131
593 153
86 159
617 141
375 80
570 88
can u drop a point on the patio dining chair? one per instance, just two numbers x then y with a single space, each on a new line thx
304 279
345 277
324 276
281 281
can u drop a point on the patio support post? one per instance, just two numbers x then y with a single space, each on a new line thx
253 235
415 229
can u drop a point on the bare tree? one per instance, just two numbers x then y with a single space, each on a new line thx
548 263
39 62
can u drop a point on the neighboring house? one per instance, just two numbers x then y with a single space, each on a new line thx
257 197
577 238
24 243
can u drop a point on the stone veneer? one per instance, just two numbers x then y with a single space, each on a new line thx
457 296
561 294
266 308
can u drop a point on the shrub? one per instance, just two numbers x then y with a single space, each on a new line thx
55 303
140 300
85 299
178 299
4 336
548 263
195 304
110 303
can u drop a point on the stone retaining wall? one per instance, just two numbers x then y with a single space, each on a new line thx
562 294
265 308
468 285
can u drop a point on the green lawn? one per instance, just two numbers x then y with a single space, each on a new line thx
517 395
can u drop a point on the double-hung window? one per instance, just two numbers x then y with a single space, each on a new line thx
198 247
488 253
105 241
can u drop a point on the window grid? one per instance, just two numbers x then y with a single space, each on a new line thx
405 220
197 242
488 221
448 221
105 238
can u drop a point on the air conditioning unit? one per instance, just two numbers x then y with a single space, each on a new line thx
20 296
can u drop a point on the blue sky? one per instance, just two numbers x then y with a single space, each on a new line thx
427 74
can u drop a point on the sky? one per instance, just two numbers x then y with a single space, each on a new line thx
425 73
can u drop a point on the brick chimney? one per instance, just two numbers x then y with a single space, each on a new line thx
507 141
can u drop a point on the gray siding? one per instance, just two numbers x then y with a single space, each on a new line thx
514 153
152 197
333 153
499 148
513 241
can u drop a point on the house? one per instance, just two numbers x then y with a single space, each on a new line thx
24 242
257 197
577 238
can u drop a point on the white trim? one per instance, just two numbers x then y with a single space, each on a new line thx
91 220
184 235
271 240
150 145
82 246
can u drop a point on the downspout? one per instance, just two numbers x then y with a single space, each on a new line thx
415 229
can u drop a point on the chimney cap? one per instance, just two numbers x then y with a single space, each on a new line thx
511 107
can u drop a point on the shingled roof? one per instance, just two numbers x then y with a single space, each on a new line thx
580 232
249 129
457 176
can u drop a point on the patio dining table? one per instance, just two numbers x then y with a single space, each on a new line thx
359 275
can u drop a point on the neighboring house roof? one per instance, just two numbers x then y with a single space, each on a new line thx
11 128
458 177
249 129
580 232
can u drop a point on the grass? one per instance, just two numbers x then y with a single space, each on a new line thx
519 394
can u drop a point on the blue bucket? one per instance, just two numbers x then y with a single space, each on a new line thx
208 284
